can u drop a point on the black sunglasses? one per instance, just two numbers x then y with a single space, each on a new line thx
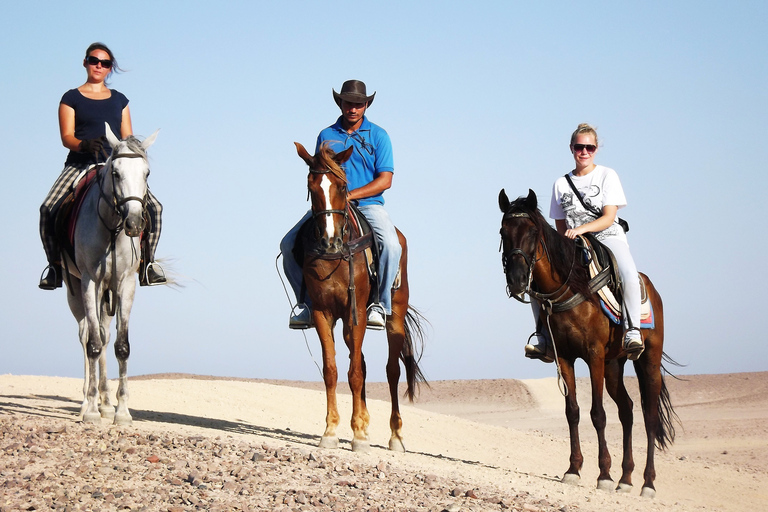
591 148
105 63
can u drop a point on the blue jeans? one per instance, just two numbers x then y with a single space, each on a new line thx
389 253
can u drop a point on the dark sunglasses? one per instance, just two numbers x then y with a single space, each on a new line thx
581 147
105 63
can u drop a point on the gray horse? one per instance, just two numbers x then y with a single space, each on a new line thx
102 277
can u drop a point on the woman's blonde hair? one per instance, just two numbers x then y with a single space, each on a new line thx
582 129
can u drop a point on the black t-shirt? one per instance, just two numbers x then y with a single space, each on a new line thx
90 116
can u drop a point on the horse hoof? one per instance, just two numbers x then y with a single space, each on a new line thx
396 445
623 488
329 442
648 492
107 412
571 478
605 485
361 446
124 420
92 417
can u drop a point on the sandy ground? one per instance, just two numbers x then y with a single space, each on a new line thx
506 435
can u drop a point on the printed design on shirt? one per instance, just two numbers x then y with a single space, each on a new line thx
576 215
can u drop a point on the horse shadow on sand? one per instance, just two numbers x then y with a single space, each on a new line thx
64 408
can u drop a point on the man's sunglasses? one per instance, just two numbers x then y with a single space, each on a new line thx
578 148
105 63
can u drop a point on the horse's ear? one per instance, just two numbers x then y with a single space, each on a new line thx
304 154
531 200
111 137
503 201
149 140
342 157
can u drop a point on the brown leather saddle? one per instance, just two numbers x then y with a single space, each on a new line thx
604 276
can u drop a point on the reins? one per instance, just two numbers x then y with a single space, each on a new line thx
348 248
115 205
550 302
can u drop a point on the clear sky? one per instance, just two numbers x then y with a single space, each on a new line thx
476 96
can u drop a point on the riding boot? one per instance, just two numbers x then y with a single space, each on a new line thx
52 277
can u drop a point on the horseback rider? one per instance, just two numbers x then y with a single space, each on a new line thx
601 193
82 114
369 173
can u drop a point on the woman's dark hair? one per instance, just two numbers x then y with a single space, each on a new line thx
105 48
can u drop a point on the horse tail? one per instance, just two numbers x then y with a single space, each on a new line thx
665 432
413 348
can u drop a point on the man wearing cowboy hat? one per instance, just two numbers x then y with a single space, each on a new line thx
369 173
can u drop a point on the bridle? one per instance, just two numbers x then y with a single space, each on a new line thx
333 211
114 202
552 299
347 248
529 261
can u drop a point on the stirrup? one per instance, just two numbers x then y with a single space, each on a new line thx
301 320
160 279
534 352
376 317
57 277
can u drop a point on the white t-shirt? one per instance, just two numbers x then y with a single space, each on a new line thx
598 188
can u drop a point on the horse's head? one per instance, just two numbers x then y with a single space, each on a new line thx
327 184
520 236
127 171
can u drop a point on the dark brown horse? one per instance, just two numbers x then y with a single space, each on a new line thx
339 286
546 265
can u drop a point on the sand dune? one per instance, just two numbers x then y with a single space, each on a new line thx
507 434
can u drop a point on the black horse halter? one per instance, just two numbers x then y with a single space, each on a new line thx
529 261
115 203
555 303
344 212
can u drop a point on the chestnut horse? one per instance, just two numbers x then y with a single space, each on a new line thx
339 286
546 265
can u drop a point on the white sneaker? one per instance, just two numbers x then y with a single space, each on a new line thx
376 319
633 344
302 319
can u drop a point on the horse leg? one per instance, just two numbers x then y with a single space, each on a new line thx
106 409
74 299
353 335
324 328
572 415
93 348
597 413
124 299
648 368
396 339
614 383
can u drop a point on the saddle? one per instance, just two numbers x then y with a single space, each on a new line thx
65 217
361 239
604 274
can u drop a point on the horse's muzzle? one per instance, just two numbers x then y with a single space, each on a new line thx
133 225
332 246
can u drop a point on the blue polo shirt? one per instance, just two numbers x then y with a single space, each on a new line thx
372 154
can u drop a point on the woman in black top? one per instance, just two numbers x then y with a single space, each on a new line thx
82 114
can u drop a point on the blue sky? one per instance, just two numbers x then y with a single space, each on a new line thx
476 97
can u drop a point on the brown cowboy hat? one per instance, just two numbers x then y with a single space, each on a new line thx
353 91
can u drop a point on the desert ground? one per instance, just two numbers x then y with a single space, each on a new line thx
212 443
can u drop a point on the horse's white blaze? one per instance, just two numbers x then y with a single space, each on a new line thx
325 184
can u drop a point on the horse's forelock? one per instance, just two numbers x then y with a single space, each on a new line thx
133 144
325 159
